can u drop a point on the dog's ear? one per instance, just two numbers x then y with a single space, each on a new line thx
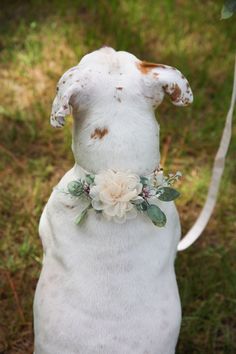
67 89
168 80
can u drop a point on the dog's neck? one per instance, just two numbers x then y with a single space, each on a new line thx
119 141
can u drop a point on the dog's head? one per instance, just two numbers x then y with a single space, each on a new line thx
106 76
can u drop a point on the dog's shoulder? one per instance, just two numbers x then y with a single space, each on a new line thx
61 203
60 211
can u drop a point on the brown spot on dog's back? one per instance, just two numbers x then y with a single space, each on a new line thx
119 88
99 133
145 66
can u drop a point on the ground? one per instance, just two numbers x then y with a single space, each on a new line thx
39 40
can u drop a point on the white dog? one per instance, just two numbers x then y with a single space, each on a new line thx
108 287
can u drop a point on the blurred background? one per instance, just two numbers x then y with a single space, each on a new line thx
39 40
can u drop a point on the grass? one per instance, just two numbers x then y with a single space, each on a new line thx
39 40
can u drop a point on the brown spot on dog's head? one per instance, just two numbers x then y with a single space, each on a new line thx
174 92
99 133
145 66
119 88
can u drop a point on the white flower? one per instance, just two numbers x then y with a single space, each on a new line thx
113 194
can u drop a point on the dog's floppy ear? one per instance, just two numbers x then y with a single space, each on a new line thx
67 88
170 81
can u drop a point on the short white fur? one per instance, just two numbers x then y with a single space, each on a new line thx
108 288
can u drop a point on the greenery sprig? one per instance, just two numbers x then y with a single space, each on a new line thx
153 187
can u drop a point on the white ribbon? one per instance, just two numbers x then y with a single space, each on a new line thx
195 232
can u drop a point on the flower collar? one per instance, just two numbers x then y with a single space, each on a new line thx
120 196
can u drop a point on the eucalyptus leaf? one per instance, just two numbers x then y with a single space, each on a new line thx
225 13
142 206
168 194
156 215
89 179
145 181
75 188
81 216
228 9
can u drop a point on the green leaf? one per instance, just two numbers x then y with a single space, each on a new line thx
156 215
168 194
75 188
142 206
225 13
89 179
145 181
81 217
228 9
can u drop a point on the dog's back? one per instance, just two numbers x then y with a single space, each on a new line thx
105 287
